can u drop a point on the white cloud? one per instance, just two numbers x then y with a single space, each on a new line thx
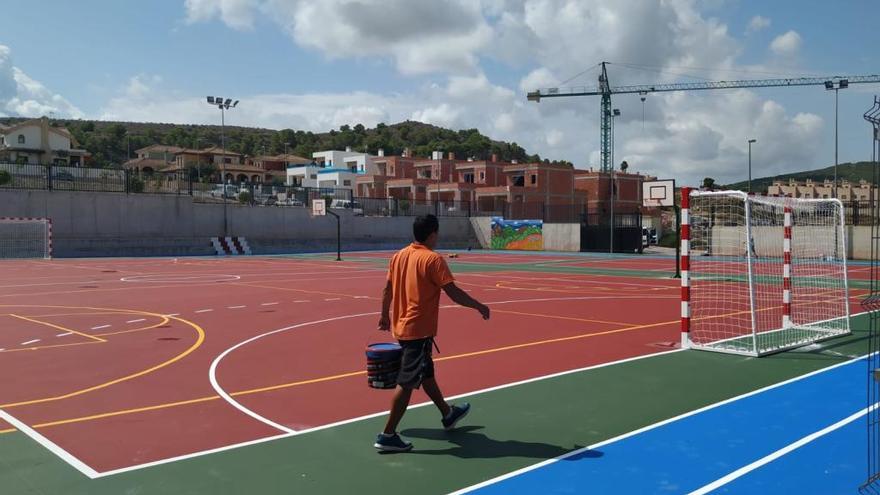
22 96
685 135
237 14
786 44
757 23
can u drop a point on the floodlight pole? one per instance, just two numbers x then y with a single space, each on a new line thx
750 163
338 235
223 106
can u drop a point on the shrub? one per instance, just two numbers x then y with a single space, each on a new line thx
5 177
245 197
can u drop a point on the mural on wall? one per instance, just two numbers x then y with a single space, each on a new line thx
523 235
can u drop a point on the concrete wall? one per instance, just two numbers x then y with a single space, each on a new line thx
111 224
809 240
482 227
562 237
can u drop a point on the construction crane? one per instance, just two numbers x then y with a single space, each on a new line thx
605 90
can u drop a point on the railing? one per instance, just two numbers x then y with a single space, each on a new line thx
52 177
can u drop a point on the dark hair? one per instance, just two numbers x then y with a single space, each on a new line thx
424 226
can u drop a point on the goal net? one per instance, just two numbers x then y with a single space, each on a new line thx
25 238
761 274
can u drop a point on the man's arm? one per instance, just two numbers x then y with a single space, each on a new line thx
385 319
462 298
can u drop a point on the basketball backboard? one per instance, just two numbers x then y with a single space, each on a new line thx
658 193
319 207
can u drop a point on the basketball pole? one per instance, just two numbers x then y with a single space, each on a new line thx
338 235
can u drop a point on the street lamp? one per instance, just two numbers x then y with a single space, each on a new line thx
836 86
750 163
438 155
223 105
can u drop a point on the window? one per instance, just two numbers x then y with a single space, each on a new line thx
420 189
482 176
346 183
392 170
21 139
314 176
534 178
469 178
227 160
517 181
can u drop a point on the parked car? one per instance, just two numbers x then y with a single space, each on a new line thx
62 175
354 206
231 191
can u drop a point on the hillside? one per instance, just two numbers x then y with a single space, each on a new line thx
110 142
849 171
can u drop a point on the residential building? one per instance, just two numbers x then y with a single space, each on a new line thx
359 163
846 190
387 168
597 186
171 160
37 141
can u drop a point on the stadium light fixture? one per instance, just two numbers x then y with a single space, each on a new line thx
223 105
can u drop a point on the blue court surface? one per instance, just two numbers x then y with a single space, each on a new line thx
805 435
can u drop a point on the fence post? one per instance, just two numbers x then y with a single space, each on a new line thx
49 176
127 178
190 183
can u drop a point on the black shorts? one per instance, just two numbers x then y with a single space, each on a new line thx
416 363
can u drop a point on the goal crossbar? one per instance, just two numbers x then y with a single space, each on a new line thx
761 274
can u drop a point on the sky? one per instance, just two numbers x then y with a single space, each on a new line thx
317 65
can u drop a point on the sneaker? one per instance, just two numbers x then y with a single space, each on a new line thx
456 413
392 443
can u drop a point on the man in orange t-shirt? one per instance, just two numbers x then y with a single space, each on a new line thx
410 309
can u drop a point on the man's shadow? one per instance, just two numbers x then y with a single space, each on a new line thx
469 443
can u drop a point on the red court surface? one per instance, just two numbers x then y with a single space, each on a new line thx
113 359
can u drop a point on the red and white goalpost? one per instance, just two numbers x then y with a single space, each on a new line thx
761 274
25 238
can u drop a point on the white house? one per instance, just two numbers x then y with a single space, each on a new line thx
359 163
35 141
332 169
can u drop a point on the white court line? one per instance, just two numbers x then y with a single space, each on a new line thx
204 310
781 452
64 334
300 301
1 350
235 307
652 426
137 321
173 314
456 397
100 327
333 299
269 304
49 445
369 416
30 342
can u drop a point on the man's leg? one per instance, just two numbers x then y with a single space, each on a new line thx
398 407
433 391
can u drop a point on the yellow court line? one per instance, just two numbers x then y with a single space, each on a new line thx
361 373
200 339
562 317
58 327
336 377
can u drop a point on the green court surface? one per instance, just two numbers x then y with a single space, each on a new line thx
508 429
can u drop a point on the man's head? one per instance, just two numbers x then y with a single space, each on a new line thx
425 230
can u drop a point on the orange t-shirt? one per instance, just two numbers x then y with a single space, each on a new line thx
416 274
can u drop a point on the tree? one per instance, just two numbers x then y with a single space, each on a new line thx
708 183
